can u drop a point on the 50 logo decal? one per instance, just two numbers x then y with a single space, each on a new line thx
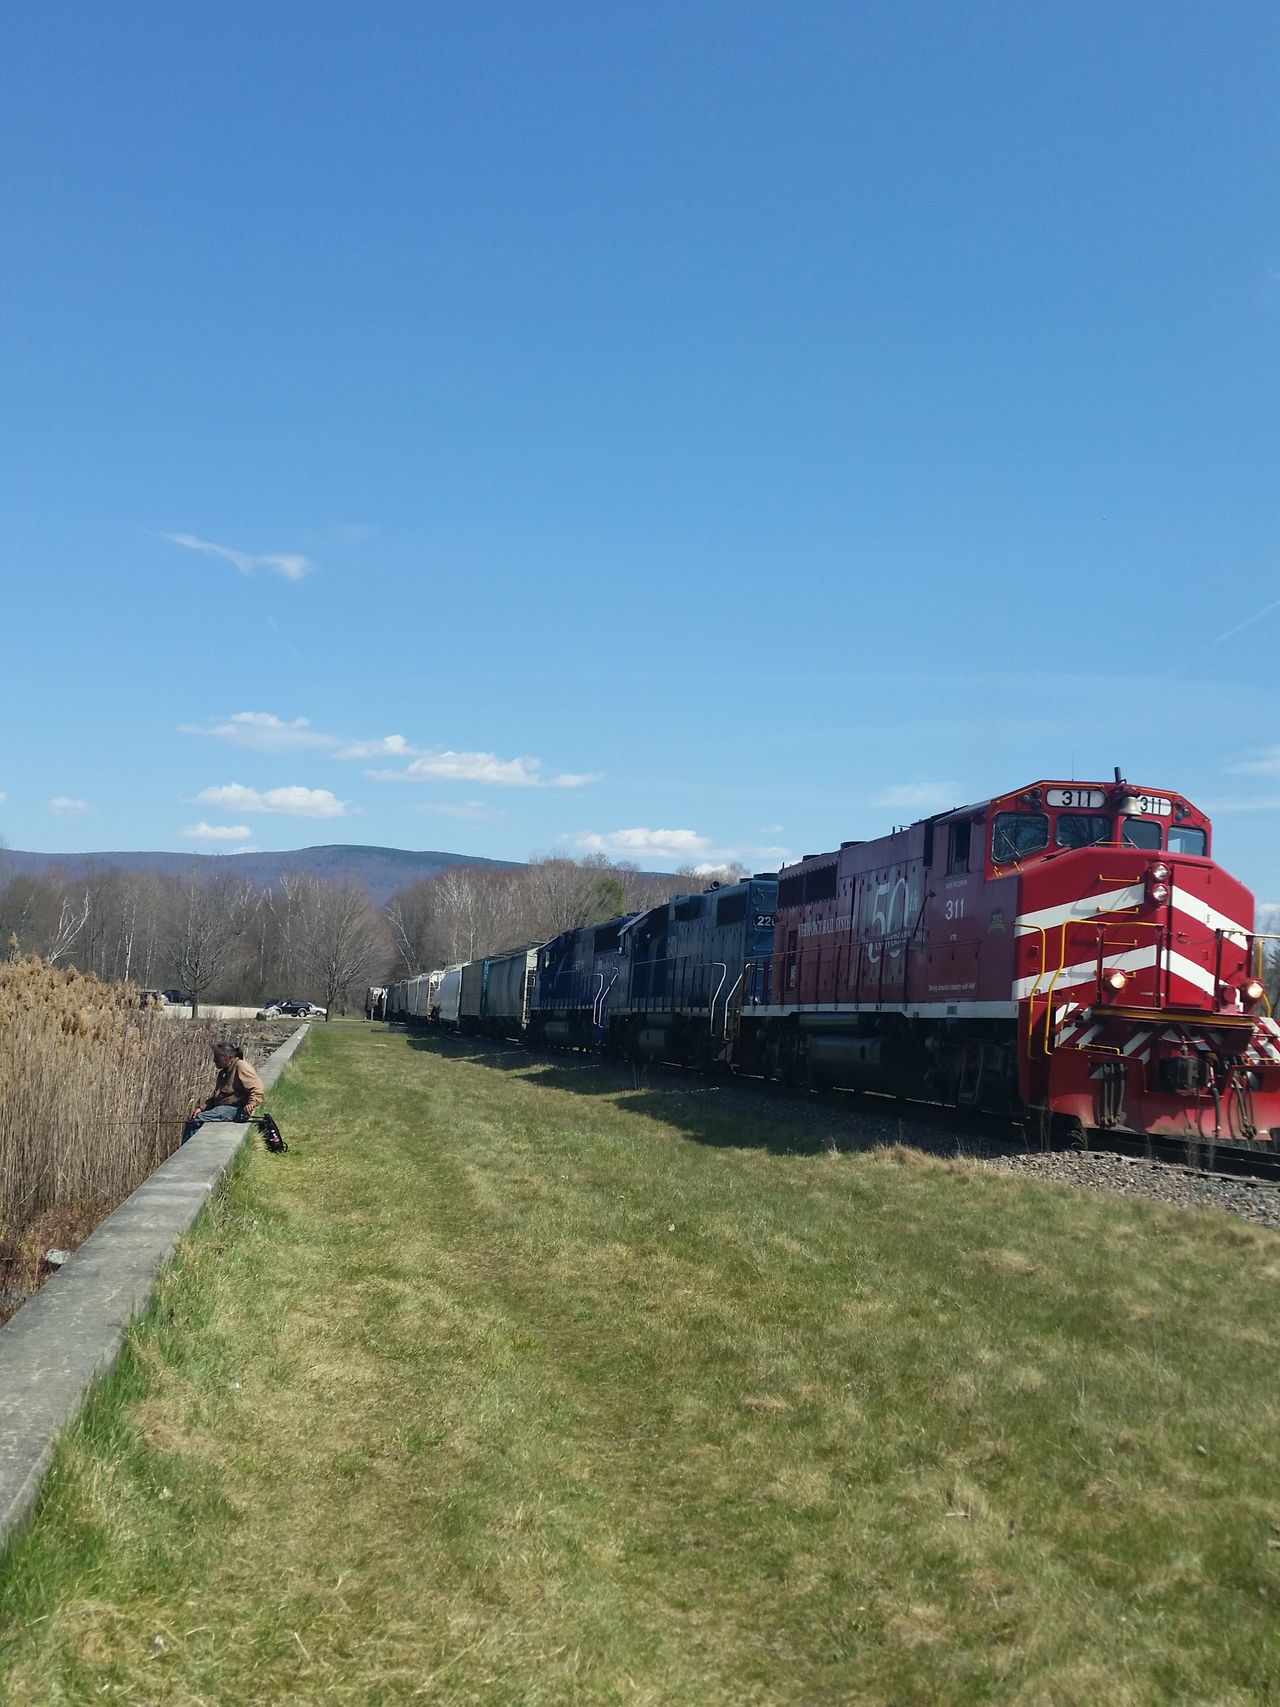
889 919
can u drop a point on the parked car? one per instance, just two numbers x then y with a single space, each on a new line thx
178 996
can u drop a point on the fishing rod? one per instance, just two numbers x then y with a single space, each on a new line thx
272 1136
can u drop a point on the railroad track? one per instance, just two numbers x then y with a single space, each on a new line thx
1199 1155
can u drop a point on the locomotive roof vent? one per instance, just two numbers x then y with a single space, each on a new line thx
856 844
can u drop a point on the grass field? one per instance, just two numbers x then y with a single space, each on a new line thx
526 1383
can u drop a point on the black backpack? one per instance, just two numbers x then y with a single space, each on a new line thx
272 1136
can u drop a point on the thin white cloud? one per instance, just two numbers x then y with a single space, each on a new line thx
65 806
1248 622
471 810
290 564
293 801
677 847
3 797
382 747
449 766
918 796
1264 762
263 732
203 832
655 844
1250 803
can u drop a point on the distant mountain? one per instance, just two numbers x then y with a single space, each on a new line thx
381 870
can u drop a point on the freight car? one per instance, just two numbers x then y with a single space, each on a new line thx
508 985
446 999
410 998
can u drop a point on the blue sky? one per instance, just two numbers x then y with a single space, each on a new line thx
682 430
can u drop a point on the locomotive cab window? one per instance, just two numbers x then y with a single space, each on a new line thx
1140 833
1187 839
1016 835
958 855
1082 829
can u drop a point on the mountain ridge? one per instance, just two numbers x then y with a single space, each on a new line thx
381 870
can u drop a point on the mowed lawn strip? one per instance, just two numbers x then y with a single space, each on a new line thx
514 1383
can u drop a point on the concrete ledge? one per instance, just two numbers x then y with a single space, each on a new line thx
74 1327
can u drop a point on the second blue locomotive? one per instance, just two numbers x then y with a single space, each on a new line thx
665 984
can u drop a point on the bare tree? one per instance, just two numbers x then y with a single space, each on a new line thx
211 919
72 918
345 939
695 881
411 916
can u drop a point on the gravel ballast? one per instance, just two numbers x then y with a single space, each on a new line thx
1132 1176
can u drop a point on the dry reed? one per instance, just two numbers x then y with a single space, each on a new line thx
93 1091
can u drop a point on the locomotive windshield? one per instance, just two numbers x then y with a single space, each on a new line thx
1015 835
1082 829
1187 839
1141 833
1019 835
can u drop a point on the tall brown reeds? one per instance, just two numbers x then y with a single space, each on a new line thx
93 1091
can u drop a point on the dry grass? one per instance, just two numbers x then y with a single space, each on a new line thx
92 1098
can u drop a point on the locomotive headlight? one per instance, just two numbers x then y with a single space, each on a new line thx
1117 980
1158 892
1159 873
1253 991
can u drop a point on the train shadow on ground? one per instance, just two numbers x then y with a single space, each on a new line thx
727 1112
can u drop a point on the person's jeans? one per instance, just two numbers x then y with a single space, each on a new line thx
224 1111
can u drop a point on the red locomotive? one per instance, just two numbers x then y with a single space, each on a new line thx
1070 948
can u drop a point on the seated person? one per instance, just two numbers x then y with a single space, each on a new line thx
237 1090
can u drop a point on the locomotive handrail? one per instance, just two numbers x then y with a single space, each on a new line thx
1057 973
1254 939
711 1012
728 1002
1097 921
1258 938
1035 989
